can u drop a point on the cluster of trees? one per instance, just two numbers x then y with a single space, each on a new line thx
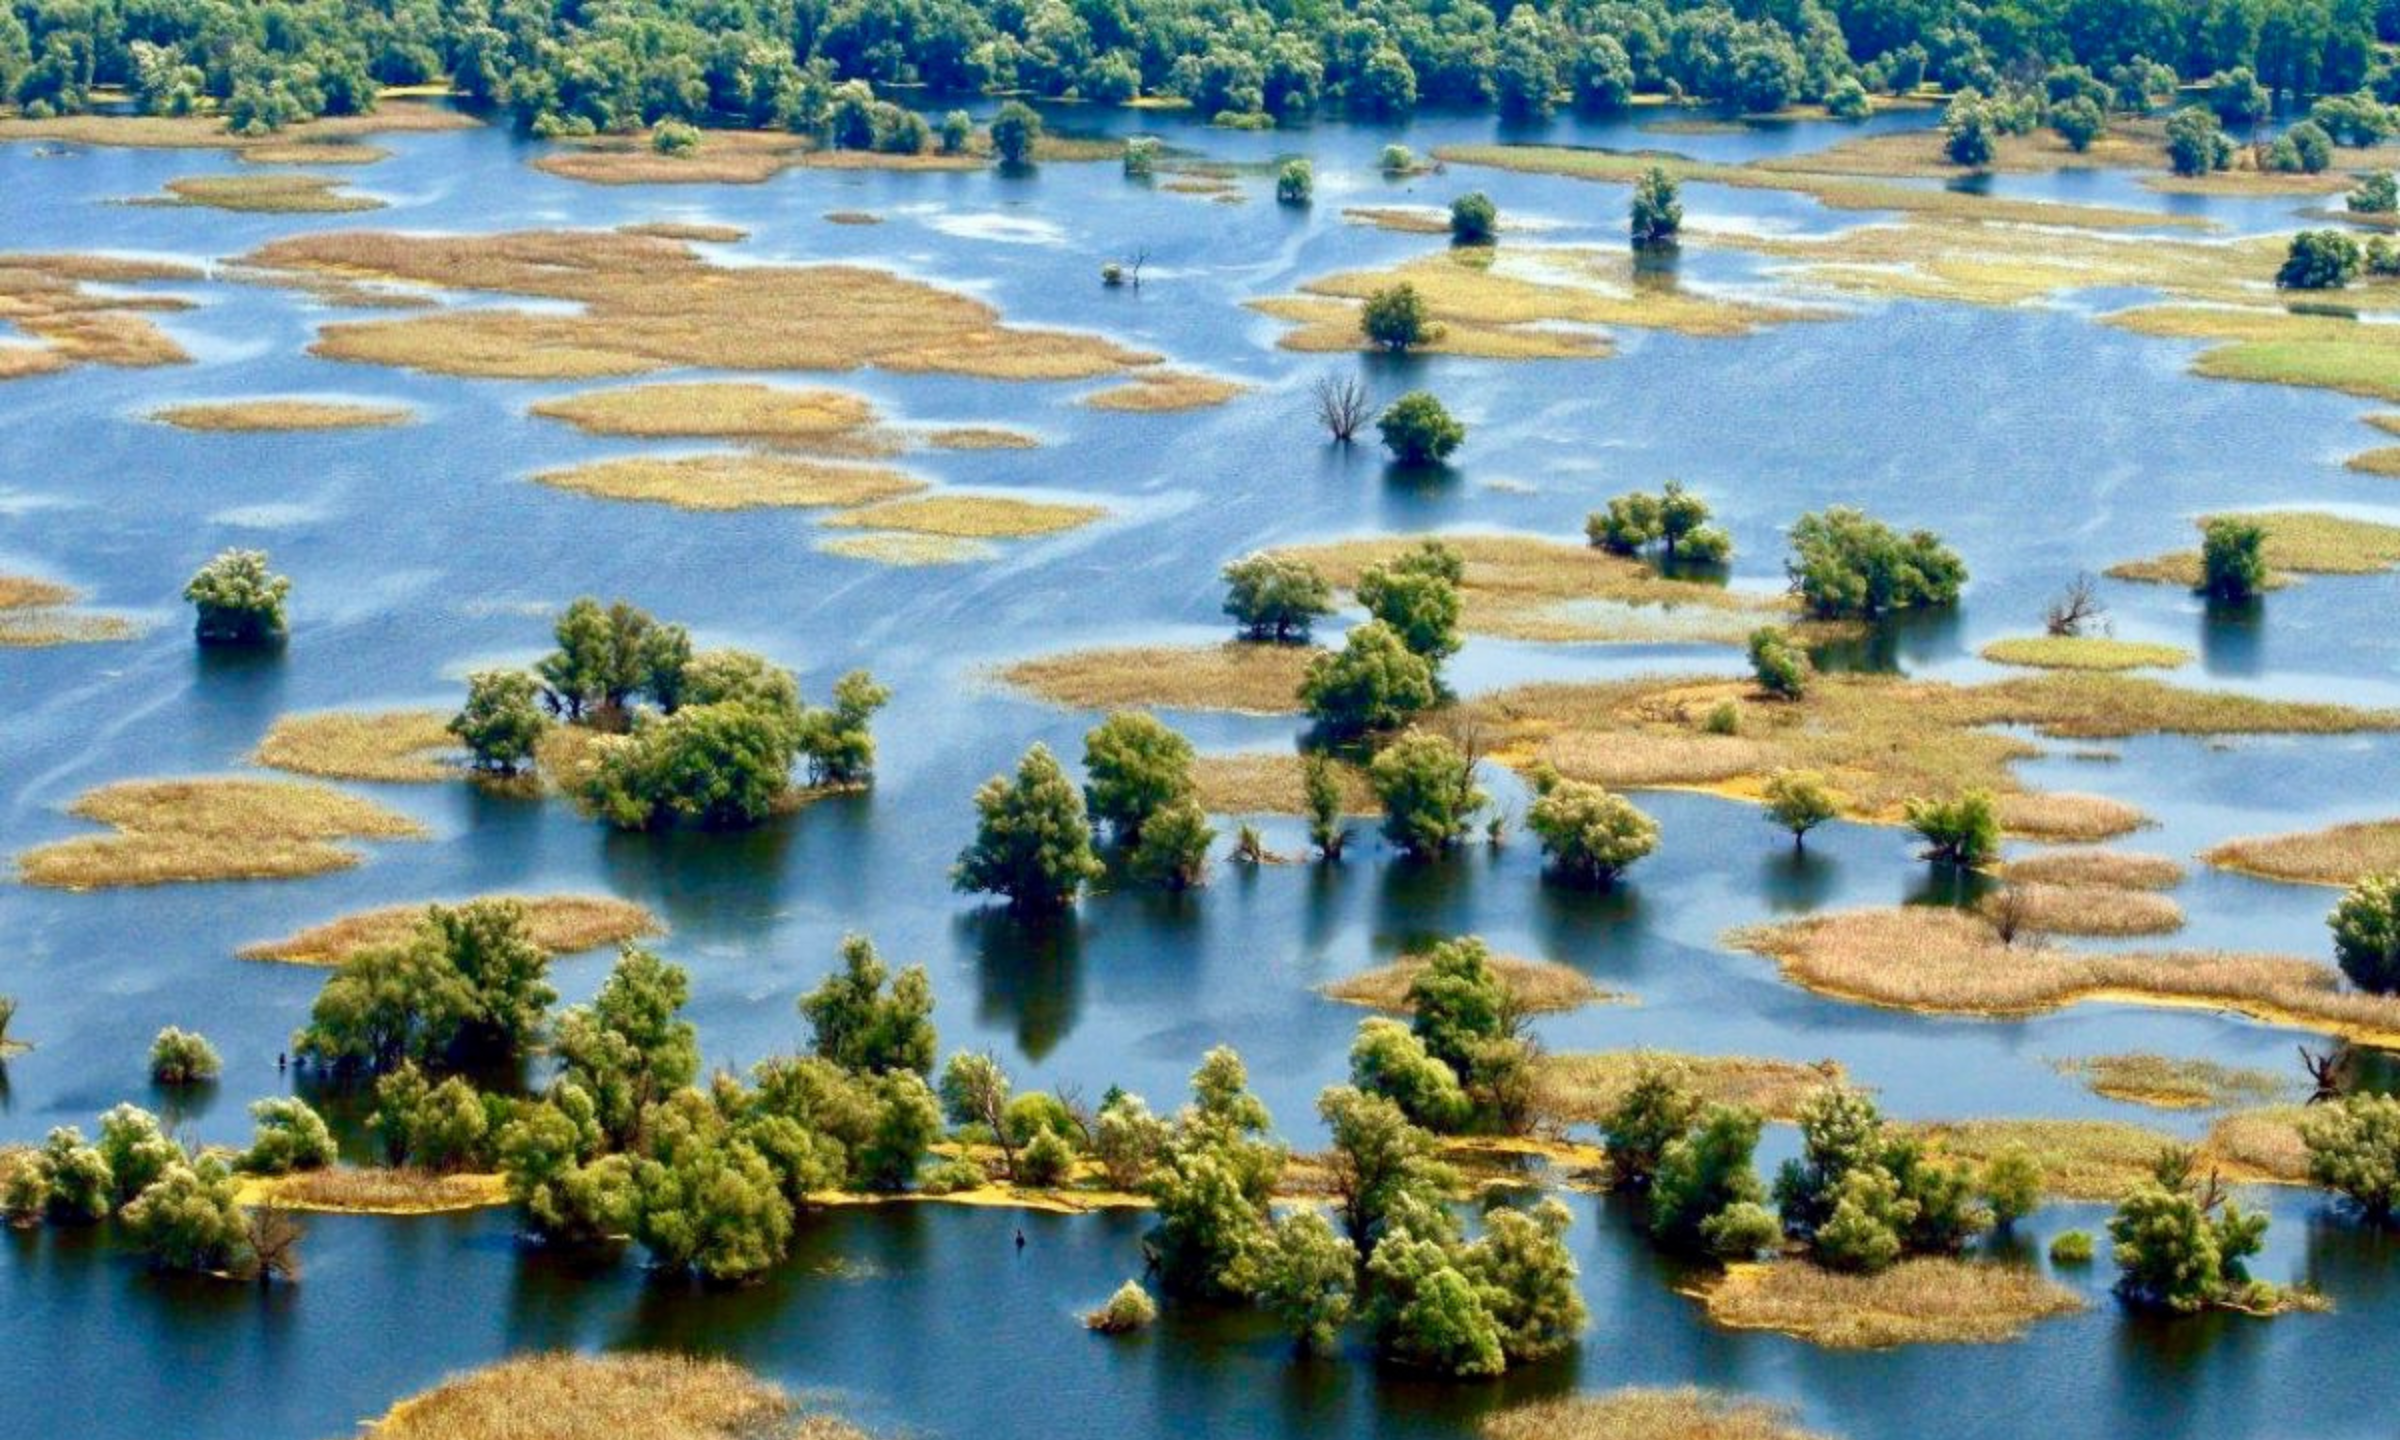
2366 934
1676 522
708 737
2181 1244
626 65
2233 559
1464 1062
2320 260
1860 1197
1847 564
1389 668
237 600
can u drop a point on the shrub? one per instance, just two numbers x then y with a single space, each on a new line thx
2319 260
1967 126
958 130
1295 183
1657 213
1173 853
2196 143
2073 1247
1397 160
1373 683
286 1136
183 1057
1723 718
2079 122
1389 1061
1274 597
1032 844
1589 836
1702 1174
1846 99
1781 667
1016 130
2377 194
1141 157
2366 934
2354 1147
1964 830
952 1176
1650 1114
1396 318
1416 594
2173 1253
1134 768
135 1149
1427 786
1627 526
1046 1160
1474 219
2233 559
1846 564
674 137
1129 1309
1418 431
1798 801
2012 1185
238 599
502 723
189 1221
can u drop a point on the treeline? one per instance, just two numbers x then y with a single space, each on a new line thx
563 68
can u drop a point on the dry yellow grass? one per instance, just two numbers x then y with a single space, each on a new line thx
208 132
2385 461
2118 869
751 157
375 1190
1918 154
959 516
648 304
559 924
2173 1082
2068 816
732 481
1159 390
2299 542
1508 304
2045 909
1406 219
1925 1300
829 422
707 232
1632 1414
2084 652
249 415
392 745
883 548
1246 678
34 614
1942 961
312 152
980 437
852 217
2079 1159
270 193
2263 1143
1579 1088
1538 987
47 299
19 592
605 1397
1524 587
1268 783
170 831
2342 855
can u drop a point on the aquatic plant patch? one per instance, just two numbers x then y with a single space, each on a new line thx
172 831
2339 855
389 745
559 924
1924 1300
243 416
1244 677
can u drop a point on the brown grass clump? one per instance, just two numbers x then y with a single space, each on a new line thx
961 516
272 193
312 152
704 231
1523 587
2068 816
2116 869
1635 1414
35 614
1579 1088
649 304
828 422
2262 1143
2342 855
1406 219
559 924
1538 987
1926 1300
46 299
19 592
884 548
1262 783
1157 390
2084 652
852 217
375 1190
2093 910
604 1397
732 481
392 745
249 415
2172 1082
2385 461
1246 678
981 437
2298 542
1943 961
171 831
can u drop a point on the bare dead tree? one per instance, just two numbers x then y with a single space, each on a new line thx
1141 257
1342 405
2328 1073
274 1243
2077 608
2009 914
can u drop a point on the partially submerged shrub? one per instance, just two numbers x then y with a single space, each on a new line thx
2073 1247
1296 183
1129 1309
2366 934
2233 559
1847 564
1418 430
1474 219
1799 801
183 1057
1395 318
1589 835
238 600
1657 216
2354 1147
1963 830
1781 667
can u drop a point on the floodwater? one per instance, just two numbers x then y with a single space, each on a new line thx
2038 443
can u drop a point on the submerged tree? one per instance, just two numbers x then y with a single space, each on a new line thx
1799 801
1427 786
502 723
1135 767
1847 564
1342 405
182 1057
1016 130
1032 845
1275 597
858 1023
1589 835
1373 683
1474 219
2233 559
238 600
1418 431
1657 210
1963 830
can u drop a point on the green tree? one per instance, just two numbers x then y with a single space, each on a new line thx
1423 1309
2196 143
1378 1161
1525 78
1654 1110
631 1046
2176 1253
721 766
1841 1130
2079 122
975 1091
1375 682
286 1135
1135 767
2354 1148
188 1220
77 1186
502 723
1702 1174
1799 801
2366 934
1963 830
1684 531
856 1023
2233 559
708 1203
1396 318
1032 844
1427 787
1128 1139
1474 219
2378 193
1629 524
1862 1234
1589 836
1781 667
1657 210
386 1004
1389 1060
1528 1274
1846 564
836 738
956 132
1417 595
2011 1185
183 1057
1141 157
1305 1275
490 946
1173 853
1418 431
1295 183
2319 260
1967 130
1325 804
1275 597
136 1150
238 600
1016 130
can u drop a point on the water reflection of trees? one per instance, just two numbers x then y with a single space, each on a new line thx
1029 973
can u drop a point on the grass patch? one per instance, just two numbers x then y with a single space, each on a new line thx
1942 961
1161 390
2045 909
2263 1143
272 193
1406 219
1925 1300
313 152
2084 652
2385 462
732 481
981 437
885 548
2079 1159
2280 347
752 157
35 614
648 304
828 422
1246 678
171 831
391 745
852 217
2067 816
2342 855
208 132
706 232
1538 987
249 415
559 924
48 299
1524 587
1638 1414
2173 1082
604 1397
2116 869
375 1190
1265 783
2299 542
1579 1088
1918 154
969 517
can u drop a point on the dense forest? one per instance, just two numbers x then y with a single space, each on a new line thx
568 67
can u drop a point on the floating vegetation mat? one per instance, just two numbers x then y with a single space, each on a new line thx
2340 855
559 924
1166 390
2118 869
50 299
1924 1300
2299 542
907 550
1536 987
1580 1088
281 414
1243 677
392 745
960 516
169 831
